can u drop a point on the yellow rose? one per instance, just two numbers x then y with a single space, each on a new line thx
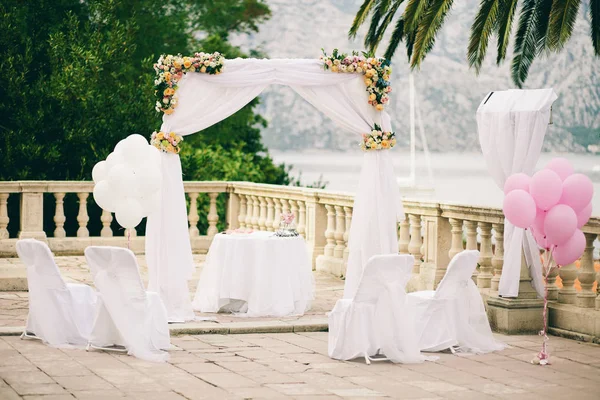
187 62
170 148
386 77
372 97
379 107
385 144
368 82
160 136
334 68
172 134
169 92
373 61
167 76
169 111
203 69
393 143
177 64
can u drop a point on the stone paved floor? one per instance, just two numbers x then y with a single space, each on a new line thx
293 366
14 305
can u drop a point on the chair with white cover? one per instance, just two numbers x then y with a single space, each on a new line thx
127 315
453 316
60 314
375 321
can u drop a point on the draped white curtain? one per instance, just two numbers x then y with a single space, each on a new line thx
512 125
204 100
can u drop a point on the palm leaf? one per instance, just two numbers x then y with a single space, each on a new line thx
481 30
562 21
413 13
525 43
428 27
542 12
397 36
506 15
361 16
372 41
410 42
378 13
595 22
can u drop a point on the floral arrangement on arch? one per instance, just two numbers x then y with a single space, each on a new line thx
377 139
170 69
167 142
376 71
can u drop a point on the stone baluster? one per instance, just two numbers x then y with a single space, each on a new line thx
302 218
213 215
277 216
262 219
59 216
330 231
270 213
484 279
285 206
404 237
587 298
106 219
255 212
348 213
338 251
4 215
193 217
242 215
249 211
82 217
498 258
457 237
416 241
471 230
294 210
568 274
130 233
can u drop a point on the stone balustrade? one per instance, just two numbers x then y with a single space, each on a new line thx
432 232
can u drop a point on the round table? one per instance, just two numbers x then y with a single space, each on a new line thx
257 273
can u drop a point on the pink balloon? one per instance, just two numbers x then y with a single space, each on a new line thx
541 240
538 223
546 188
517 181
577 191
519 208
560 223
571 250
584 215
561 166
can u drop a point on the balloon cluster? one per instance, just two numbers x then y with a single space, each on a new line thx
555 204
128 183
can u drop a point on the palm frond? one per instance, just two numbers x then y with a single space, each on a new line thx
525 43
481 30
414 11
410 36
397 36
378 13
372 41
428 28
562 21
361 16
506 15
542 12
595 22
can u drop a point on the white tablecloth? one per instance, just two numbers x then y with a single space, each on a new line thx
270 275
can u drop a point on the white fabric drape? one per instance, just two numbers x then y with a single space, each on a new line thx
512 125
204 100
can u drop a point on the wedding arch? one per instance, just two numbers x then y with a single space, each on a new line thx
352 90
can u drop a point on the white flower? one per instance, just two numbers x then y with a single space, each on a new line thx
166 100
172 70
157 82
359 70
343 68
206 63
212 65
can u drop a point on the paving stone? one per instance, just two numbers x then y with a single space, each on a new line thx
257 393
79 383
293 389
227 380
38 389
98 394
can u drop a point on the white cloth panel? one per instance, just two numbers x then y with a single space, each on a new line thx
60 314
140 318
376 320
204 100
454 314
272 275
512 125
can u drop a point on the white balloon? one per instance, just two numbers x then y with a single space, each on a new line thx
148 180
114 159
119 148
137 156
137 140
150 203
100 172
129 213
154 156
104 196
123 180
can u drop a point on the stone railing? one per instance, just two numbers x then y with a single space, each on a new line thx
432 232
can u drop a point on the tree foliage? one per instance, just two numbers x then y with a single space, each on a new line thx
544 26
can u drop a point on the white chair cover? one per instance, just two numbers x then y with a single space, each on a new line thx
127 315
60 314
454 314
376 319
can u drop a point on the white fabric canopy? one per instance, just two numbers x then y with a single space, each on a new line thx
512 125
204 100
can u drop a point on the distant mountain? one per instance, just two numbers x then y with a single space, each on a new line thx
448 92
